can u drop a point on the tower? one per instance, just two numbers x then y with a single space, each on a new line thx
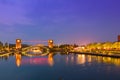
118 38
18 43
50 43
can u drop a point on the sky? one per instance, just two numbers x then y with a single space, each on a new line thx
64 21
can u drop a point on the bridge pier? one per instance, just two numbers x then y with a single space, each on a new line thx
50 43
18 43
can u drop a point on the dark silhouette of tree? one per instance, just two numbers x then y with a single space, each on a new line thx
6 45
1 45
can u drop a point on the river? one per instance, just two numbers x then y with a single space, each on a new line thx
59 67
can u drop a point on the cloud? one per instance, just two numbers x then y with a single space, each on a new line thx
13 13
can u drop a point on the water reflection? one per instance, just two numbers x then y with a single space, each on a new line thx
18 58
82 59
38 60
50 59
72 59
68 59
34 61
112 61
89 59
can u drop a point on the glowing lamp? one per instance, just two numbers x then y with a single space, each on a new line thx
18 40
51 41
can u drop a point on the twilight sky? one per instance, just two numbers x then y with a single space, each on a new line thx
64 21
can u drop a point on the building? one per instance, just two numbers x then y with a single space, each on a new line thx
118 38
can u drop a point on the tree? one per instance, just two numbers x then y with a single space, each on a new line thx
1 45
6 45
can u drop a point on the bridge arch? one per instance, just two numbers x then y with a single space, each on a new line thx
19 43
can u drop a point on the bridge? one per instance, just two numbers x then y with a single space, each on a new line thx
38 50
19 43
35 50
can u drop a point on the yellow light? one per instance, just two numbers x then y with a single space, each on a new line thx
18 40
51 41
18 59
50 59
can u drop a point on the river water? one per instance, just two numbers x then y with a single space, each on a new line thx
59 67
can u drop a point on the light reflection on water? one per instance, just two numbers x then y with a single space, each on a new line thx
59 67
82 59
35 60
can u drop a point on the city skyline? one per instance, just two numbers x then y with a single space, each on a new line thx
64 21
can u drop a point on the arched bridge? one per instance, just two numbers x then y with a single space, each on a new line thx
19 43
25 51
35 51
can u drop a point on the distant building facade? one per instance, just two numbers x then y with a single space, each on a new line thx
118 38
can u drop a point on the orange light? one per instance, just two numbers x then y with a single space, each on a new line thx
51 41
18 40
50 59
18 59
